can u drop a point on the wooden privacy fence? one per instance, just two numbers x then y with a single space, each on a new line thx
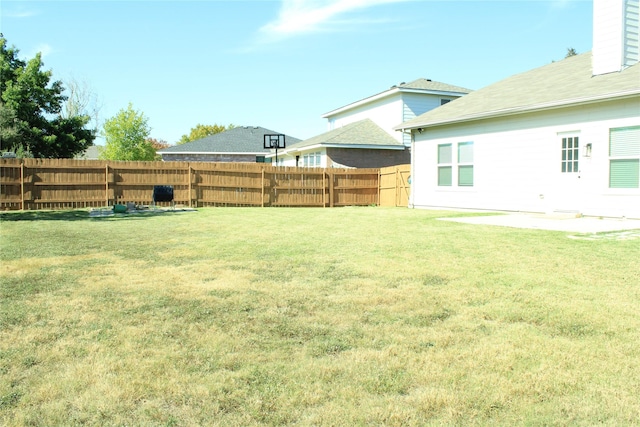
31 184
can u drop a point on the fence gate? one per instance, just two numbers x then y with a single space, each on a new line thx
394 185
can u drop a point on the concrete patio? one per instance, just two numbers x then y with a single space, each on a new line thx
553 222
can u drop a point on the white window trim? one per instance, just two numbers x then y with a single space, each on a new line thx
565 161
617 190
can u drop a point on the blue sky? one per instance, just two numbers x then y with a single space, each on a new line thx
282 64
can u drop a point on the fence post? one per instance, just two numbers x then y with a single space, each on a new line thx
324 187
189 182
379 187
106 184
330 189
22 185
262 189
397 198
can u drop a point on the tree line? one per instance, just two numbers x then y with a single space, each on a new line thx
40 117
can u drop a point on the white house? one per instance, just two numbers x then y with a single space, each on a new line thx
398 104
361 134
564 137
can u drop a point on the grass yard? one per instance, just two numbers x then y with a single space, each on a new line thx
336 317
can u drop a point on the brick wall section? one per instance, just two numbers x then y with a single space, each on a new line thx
234 158
365 158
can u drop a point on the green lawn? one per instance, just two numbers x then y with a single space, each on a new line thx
346 316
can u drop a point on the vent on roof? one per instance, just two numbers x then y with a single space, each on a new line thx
428 80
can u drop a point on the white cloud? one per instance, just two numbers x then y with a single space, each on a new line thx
560 4
44 49
307 16
17 12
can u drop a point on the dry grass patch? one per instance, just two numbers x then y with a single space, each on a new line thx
355 316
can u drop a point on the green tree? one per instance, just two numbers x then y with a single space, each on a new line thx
158 144
202 131
31 107
126 136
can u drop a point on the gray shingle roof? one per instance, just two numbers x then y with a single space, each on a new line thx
363 133
430 85
561 83
241 139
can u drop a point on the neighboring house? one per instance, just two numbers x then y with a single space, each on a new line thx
362 144
239 144
361 134
91 153
564 137
398 104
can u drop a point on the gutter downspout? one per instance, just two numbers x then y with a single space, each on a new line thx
413 162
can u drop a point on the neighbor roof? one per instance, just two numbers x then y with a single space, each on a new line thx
425 86
563 83
361 134
240 140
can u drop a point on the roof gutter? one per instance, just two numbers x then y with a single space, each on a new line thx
257 153
389 93
299 150
522 110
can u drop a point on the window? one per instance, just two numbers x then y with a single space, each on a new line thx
570 154
624 157
312 159
444 101
465 164
444 165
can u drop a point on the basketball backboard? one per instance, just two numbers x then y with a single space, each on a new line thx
274 141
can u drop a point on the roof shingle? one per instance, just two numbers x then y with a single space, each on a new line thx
240 139
561 83
363 132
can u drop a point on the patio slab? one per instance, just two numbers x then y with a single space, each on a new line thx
553 222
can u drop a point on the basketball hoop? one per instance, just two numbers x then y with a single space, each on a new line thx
274 141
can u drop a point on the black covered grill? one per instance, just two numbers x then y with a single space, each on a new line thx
162 193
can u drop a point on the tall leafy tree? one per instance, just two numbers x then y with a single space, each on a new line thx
127 137
202 131
30 110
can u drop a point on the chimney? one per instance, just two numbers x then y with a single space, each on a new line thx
615 35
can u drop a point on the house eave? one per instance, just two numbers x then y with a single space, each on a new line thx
521 110
226 153
386 94
294 151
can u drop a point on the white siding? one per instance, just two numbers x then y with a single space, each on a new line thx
413 105
290 160
517 163
607 36
386 113
631 30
